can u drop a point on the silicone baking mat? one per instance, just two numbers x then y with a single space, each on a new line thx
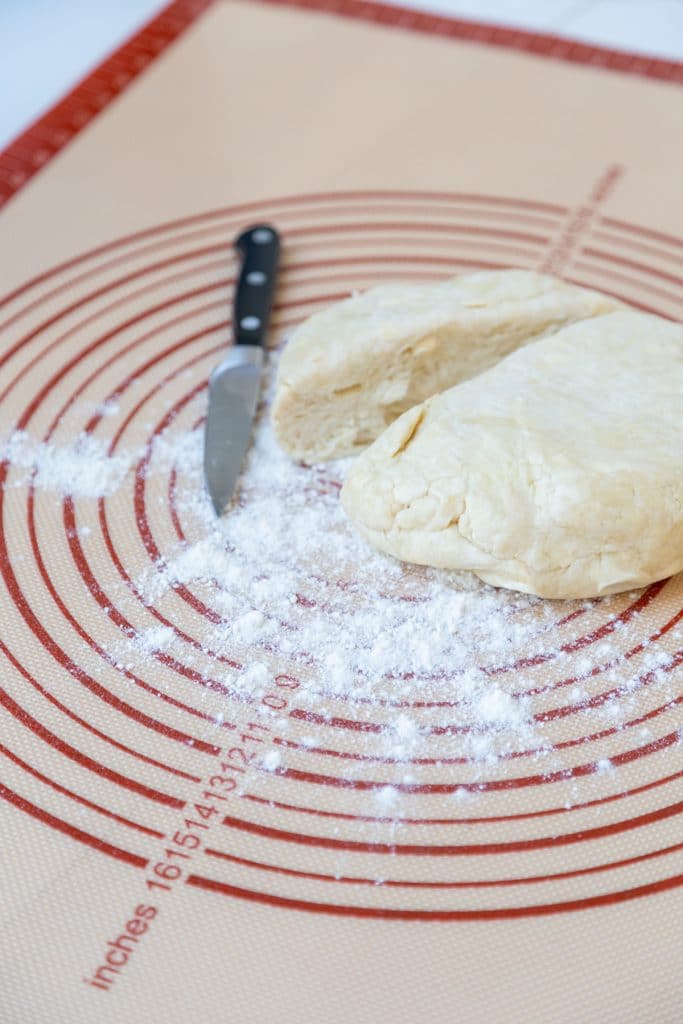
175 847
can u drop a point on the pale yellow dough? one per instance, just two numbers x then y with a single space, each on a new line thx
350 370
559 472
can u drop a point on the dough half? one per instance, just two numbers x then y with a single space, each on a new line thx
350 370
559 472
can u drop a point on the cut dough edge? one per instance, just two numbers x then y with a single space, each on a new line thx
410 512
318 418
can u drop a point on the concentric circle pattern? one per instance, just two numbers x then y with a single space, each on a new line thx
129 689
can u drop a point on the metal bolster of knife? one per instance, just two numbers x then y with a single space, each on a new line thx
240 355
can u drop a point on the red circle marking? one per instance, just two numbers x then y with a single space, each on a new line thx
631 245
52 821
391 913
68 713
202 233
29 770
78 757
487 786
489 819
496 883
584 266
295 775
638 229
238 211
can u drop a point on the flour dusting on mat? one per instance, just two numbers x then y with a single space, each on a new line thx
298 591
82 469
293 589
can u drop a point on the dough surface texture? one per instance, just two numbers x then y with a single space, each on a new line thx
559 472
352 369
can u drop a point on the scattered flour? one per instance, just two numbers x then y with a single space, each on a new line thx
82 469
296 590
271 761
158 638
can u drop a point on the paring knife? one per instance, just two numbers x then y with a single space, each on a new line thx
235 384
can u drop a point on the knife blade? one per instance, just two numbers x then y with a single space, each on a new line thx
235 384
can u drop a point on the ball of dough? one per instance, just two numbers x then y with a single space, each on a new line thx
350 370
559 472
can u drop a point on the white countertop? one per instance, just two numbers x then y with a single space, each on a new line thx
46 46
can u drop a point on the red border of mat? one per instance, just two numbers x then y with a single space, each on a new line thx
35 147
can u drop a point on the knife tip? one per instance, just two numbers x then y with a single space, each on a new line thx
218 506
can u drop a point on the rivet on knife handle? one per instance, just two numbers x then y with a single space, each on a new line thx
260 249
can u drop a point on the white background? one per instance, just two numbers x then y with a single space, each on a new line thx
46 46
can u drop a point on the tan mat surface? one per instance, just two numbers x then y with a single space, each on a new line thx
201 825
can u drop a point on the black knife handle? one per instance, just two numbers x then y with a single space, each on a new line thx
259 247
